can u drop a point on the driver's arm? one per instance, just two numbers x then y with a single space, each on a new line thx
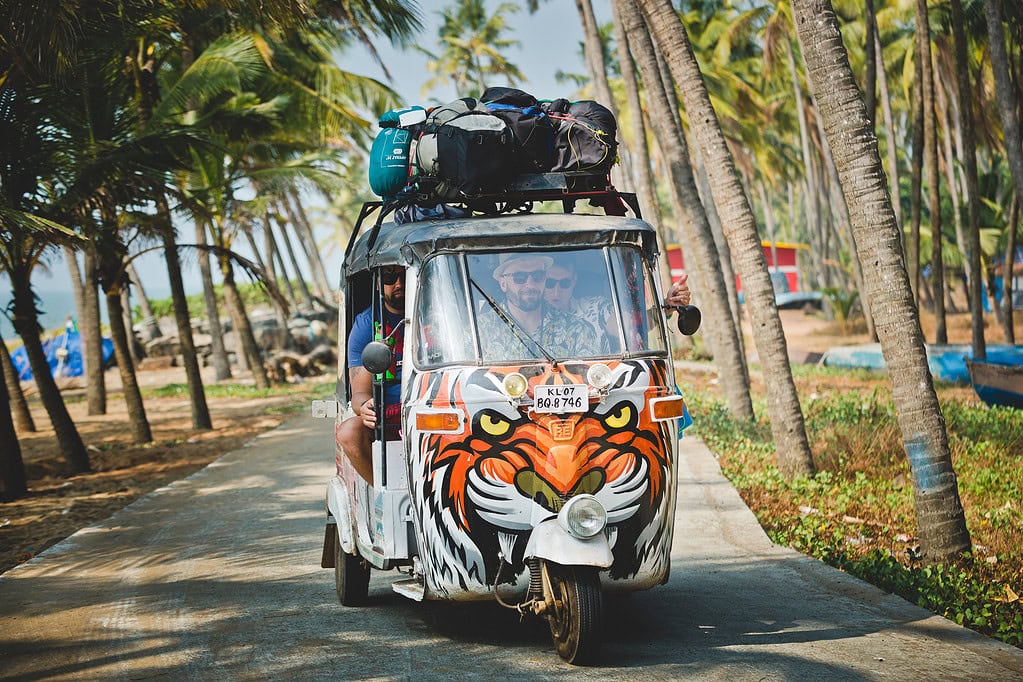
361 382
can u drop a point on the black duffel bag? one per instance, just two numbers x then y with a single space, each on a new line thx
584 138
532 128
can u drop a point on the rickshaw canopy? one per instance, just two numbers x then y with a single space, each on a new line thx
411 243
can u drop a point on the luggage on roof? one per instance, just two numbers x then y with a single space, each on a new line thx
473 148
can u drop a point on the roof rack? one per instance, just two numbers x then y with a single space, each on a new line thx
517 196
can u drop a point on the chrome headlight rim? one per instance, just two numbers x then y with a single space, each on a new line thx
578 515
599 376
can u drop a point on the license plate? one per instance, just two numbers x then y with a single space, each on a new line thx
560 399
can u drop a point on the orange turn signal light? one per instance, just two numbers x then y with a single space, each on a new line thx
438 421
666 408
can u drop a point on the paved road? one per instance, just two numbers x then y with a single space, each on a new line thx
217 577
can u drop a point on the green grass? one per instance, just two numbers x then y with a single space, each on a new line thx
856 512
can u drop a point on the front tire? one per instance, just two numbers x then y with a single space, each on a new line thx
351 577
576 616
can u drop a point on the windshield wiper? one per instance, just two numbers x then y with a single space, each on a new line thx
515 327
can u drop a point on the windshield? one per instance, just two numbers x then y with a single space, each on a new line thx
535 305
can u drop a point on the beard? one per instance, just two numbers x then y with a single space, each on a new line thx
526 300
395 300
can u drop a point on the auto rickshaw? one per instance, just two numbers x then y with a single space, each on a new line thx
532 466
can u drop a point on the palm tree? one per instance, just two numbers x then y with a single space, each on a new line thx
31 154
931 165
787 425
19 406
1010 129
697 237
472 48
963 89
12 468
942 526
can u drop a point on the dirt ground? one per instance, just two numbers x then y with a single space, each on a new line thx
58 504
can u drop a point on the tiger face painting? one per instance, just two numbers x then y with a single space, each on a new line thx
478 493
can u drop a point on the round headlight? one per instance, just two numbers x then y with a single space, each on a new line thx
583 516
515 385
599 376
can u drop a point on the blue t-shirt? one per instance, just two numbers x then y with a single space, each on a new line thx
362 333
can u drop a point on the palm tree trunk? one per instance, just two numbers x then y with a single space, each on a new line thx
140 431
724 257
787 425
1011 131
293 296
889 126
969 156
78 291
870 63
92 339
916 186
307 297
240 320
817 252
129 332
189 358
923 52
641 153
280 311
1010 262
942 525
150 324
308 238
12 467
593 51
25 320
698 240
841 210
221 366
15 396
956 189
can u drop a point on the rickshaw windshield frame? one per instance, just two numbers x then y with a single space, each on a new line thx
594 305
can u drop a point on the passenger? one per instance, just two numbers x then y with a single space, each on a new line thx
522 278
597 310
355 435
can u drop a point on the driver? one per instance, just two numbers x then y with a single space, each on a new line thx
355 434
522 278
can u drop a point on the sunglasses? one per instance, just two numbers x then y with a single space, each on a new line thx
389 277
564 283
520 277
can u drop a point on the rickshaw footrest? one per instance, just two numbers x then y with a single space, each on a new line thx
410 588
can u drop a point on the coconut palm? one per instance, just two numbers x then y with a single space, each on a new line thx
31 153
472 48
12 468
963 88
942 526
931 166
786 417
696 232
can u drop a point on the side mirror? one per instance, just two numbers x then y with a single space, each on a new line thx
689 318
377 357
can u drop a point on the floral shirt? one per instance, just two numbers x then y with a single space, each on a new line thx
561 334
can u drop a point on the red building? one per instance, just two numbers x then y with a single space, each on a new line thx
787 262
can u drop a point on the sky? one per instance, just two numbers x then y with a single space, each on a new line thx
550 40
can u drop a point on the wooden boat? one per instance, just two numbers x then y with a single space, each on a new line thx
997 384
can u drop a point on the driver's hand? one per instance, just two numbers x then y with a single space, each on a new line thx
678 293
368 414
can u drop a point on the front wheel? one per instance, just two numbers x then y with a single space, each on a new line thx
351 577
575 618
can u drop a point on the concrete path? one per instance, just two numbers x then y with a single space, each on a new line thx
217 577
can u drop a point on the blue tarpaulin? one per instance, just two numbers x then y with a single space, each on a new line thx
72 365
